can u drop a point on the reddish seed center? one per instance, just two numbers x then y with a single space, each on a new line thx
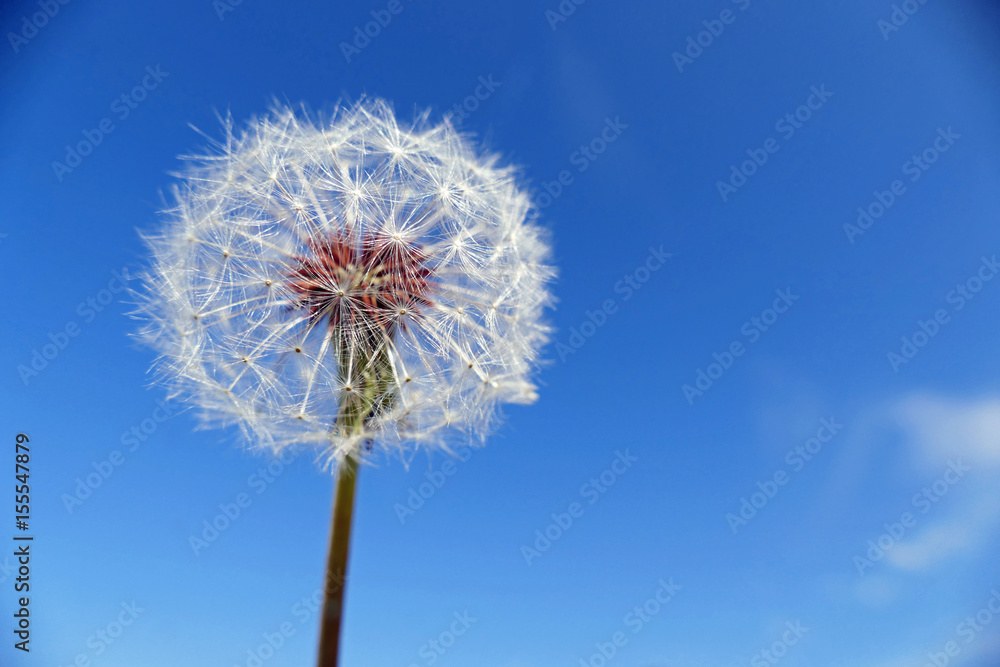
373 284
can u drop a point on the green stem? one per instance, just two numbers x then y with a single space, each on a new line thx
370 394
336 564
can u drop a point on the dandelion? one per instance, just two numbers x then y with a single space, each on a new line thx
350 285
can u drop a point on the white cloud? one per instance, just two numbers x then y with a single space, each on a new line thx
937 543
877 590
943 428
947 429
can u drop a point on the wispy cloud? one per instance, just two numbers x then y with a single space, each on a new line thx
945 427
942 429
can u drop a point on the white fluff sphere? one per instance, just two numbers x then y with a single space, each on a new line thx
341 281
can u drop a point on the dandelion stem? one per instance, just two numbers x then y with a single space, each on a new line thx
370 390
336 564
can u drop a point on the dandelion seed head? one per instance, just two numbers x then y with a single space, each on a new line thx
315 272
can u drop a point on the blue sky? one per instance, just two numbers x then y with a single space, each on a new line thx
831 441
